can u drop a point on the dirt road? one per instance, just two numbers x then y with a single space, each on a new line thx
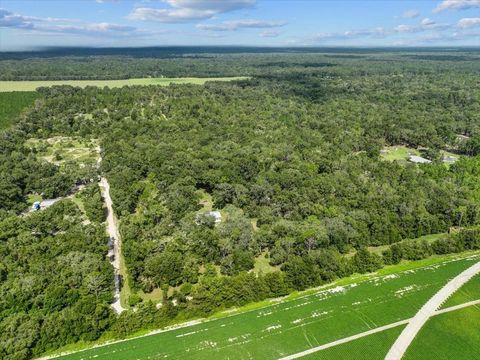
114 234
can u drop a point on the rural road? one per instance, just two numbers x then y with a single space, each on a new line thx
114 234
429 309
373 331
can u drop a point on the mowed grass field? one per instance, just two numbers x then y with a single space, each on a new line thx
33 85
291 326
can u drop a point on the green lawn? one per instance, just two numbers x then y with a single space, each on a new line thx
12 104
262 265
453 335
33 85
398 152
293 325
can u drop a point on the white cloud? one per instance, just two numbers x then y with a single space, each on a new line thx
49 25
219 6
169 15
427 22
406 28
425 25
240 24
188 10
351 34
468 22
457 5
269 34
410 14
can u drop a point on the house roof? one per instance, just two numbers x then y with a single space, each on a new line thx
215 214
419 159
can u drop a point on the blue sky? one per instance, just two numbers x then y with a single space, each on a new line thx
26 24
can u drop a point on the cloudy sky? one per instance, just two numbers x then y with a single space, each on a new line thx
26 24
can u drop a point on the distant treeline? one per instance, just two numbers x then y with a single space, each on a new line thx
113 63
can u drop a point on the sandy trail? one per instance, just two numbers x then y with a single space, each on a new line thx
114 234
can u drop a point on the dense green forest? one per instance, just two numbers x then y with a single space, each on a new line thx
290 158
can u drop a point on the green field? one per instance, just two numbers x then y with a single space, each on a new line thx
33 85
469 292
290 326
453 335
373 347
12 104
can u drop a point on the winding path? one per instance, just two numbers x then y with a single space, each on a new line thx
114 234
429 309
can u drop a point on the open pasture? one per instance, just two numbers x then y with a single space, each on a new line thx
33 85
290 326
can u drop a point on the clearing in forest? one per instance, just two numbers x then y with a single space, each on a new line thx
61 149
33 85
289 326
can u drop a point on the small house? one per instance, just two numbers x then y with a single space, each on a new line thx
216 215
449 159
418 159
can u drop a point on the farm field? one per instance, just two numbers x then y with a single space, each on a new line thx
290 326
12 104
7 86
460 327
468 292
373 347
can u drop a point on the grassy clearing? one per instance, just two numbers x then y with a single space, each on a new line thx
399 152
428 238
292 325
33 198
468 292
263 266
206 201
60 150
452 335
373 347
12 104
33 85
